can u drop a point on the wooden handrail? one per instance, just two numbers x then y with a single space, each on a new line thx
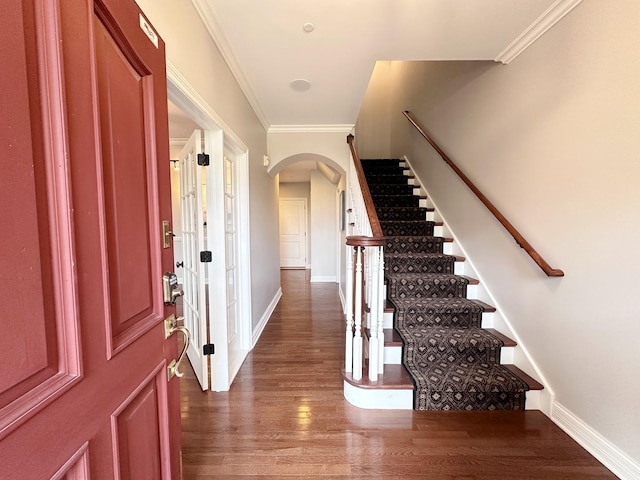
520 240
376 229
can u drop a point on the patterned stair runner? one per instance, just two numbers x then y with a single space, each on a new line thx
454 363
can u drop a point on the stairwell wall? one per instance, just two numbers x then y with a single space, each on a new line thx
552 140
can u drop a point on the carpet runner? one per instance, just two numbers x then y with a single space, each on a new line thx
454 363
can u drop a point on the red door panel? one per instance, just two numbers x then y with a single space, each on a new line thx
38 362
130 200
84 188
139 453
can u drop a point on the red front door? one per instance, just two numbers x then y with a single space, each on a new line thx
84 175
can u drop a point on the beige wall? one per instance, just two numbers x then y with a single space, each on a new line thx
552 139
324 229
193 53
372 129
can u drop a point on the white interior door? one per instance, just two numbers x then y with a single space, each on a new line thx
234 326
230 308
193 208
293 232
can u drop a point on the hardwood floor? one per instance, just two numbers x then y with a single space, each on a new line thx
285 417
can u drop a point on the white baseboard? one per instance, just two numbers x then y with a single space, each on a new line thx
343 301
257 331
602 449
323 279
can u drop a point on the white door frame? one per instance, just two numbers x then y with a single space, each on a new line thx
219 136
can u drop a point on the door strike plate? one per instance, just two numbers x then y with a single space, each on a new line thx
170 324
167 234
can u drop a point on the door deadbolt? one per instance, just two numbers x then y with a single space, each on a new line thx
170 289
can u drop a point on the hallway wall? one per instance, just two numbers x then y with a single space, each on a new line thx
552 139
324 229
193 53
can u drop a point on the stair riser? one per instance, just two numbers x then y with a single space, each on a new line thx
417 289
392 399
396 265
487 321
472 293
396 201
409 228
391 214
397 189
386 399
393 355
424 244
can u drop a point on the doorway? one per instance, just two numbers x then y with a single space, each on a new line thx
293 232
221 317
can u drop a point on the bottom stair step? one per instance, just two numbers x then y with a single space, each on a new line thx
393 390
394 377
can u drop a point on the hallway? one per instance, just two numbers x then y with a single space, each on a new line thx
285 417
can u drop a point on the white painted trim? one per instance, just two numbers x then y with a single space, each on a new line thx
257 330
207 13
343 301
187 98
244 242
328 128
178 142
323 279
602 449
538 28
379 399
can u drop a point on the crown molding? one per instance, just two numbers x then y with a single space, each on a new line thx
538 28
329 128
177 142
208 15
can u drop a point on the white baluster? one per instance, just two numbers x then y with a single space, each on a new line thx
357 317
374 339
348 352
380 308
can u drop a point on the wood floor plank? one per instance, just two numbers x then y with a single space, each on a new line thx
285 417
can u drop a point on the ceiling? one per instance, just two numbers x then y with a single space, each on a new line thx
267 46
304 63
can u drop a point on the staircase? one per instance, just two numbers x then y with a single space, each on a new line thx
437 354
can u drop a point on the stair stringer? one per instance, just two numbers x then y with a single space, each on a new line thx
536 399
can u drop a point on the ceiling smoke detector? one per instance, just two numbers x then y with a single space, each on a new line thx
308 27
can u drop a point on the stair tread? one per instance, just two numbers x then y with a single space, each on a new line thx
532 382
485 306
472 281
395 377
508 342
391 337
399 255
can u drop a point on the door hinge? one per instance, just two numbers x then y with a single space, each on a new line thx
206 256
208 349
203 159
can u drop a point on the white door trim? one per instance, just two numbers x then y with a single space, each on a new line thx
221 136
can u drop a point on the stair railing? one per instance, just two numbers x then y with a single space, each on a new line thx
365 276
520 240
